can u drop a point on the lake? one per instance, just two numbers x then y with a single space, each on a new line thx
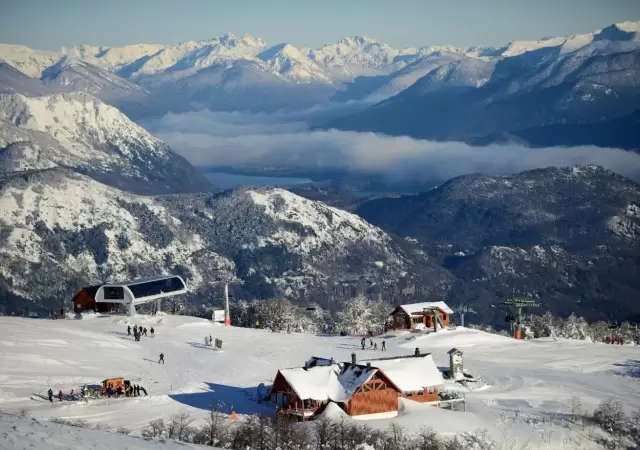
230 180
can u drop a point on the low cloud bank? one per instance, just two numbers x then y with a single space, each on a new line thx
208 138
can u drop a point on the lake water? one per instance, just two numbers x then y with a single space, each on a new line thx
230 180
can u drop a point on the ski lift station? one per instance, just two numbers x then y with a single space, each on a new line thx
109 297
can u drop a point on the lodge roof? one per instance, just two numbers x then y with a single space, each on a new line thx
417 308
410 373
336 382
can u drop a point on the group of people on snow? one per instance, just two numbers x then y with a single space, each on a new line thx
139 331
372 345
60 395
133 390
73 395
208 340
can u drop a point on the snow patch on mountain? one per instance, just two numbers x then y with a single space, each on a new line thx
76 118
291 62
28 61
79 131
103 233
324 226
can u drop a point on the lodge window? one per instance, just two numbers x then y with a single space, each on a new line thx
444 316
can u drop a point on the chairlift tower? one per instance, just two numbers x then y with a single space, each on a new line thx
227 278
462 310
520 303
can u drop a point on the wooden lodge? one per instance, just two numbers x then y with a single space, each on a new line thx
417 375
85 300
405 317
360 390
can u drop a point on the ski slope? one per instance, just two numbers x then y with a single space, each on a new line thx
526 380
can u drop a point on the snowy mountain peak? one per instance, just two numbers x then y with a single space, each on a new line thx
75 117
324 225
79 131
625 31
356 41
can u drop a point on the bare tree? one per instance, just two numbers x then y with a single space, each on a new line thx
155 429
179 425
217 425
576 408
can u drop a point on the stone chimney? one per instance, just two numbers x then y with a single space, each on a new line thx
353 359
456 365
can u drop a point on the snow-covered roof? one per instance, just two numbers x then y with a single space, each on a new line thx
410 374
415 308
337 382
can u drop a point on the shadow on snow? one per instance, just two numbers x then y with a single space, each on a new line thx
242 400
629 368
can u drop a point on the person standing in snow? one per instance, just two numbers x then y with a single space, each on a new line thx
144 390
161 358
206 340
50 394
60 395
129 330
210 340
363 342
145 331
73 394
152 332
370 342
375 346
384 346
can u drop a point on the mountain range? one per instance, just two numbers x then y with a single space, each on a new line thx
433 92
527 91
88 196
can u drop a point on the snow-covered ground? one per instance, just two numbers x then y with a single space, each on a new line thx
530 381
23 433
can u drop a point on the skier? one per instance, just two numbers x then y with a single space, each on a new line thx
161 358
210 339
384 346
60 395
370 342
129 330
151 331
50 394
363 342
375 346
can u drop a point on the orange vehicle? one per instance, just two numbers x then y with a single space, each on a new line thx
115 383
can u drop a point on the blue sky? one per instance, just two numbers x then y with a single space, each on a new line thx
50 24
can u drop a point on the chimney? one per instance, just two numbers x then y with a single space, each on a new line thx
417 353
353 359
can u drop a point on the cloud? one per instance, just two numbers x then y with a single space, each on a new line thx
209 139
